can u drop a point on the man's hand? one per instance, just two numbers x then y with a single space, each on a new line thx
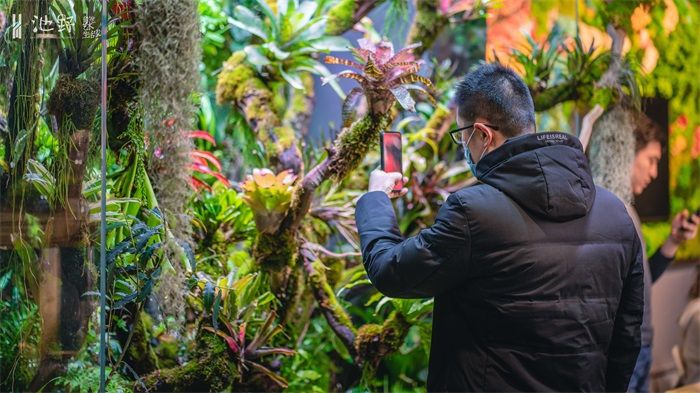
684 228
383 181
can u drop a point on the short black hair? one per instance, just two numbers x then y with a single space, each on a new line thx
647 131
496 93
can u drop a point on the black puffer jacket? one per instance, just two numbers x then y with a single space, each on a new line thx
536 273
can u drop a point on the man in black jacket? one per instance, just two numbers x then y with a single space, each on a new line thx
537 274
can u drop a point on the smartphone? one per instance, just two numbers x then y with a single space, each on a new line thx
391 154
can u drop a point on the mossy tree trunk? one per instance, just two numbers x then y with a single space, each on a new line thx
427 25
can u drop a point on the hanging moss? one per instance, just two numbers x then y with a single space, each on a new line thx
168 64
74 100
354 143
275 251
611 151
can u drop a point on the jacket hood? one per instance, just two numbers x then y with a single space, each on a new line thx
546 173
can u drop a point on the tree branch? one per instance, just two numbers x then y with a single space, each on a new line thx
426 26
335 314
344 15
610 77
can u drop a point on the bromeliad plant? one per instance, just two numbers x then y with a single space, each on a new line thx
249 353
384 76
269 196
561 69
202 162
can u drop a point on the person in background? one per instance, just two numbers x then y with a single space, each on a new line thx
536 273
648 148
689 323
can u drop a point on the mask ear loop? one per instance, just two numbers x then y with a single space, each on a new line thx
485 145
465 145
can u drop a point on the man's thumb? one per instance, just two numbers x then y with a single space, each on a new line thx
395 175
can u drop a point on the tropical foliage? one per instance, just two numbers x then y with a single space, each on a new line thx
232 255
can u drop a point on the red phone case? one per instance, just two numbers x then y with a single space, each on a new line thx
391 154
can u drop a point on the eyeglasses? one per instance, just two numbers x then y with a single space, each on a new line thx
458 135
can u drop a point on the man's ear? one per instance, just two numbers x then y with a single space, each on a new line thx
487 135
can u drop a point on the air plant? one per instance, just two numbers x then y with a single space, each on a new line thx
77 48
384 76
285 41
249 352
539 60
202 162
557 71
269 196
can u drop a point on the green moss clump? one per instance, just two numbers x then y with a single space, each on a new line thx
273 252
74 100
210 369
373 341
426 26
340 17
335 266
354 143
239 84
140 355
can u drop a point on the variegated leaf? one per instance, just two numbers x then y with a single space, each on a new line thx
350 104
345 62
404 98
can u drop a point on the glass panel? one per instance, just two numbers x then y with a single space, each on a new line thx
49 182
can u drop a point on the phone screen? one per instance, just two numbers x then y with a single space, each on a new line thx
391 154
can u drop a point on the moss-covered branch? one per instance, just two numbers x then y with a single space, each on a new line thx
426 26
335 314
240 85
353 144
611 77
373 341
551 96
344 15
208 370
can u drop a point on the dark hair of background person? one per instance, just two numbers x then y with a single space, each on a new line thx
496 93
646 131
